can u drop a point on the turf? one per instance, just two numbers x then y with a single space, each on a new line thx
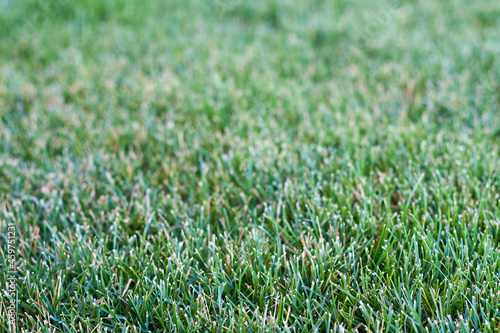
251 166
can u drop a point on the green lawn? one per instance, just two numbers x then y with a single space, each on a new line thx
250 166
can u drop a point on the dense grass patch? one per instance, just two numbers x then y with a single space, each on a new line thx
283 166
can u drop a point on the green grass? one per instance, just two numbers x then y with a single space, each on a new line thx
253 166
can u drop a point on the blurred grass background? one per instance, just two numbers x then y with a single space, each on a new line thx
135 131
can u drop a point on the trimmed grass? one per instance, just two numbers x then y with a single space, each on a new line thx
263 166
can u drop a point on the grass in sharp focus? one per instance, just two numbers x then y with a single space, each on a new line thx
287 166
